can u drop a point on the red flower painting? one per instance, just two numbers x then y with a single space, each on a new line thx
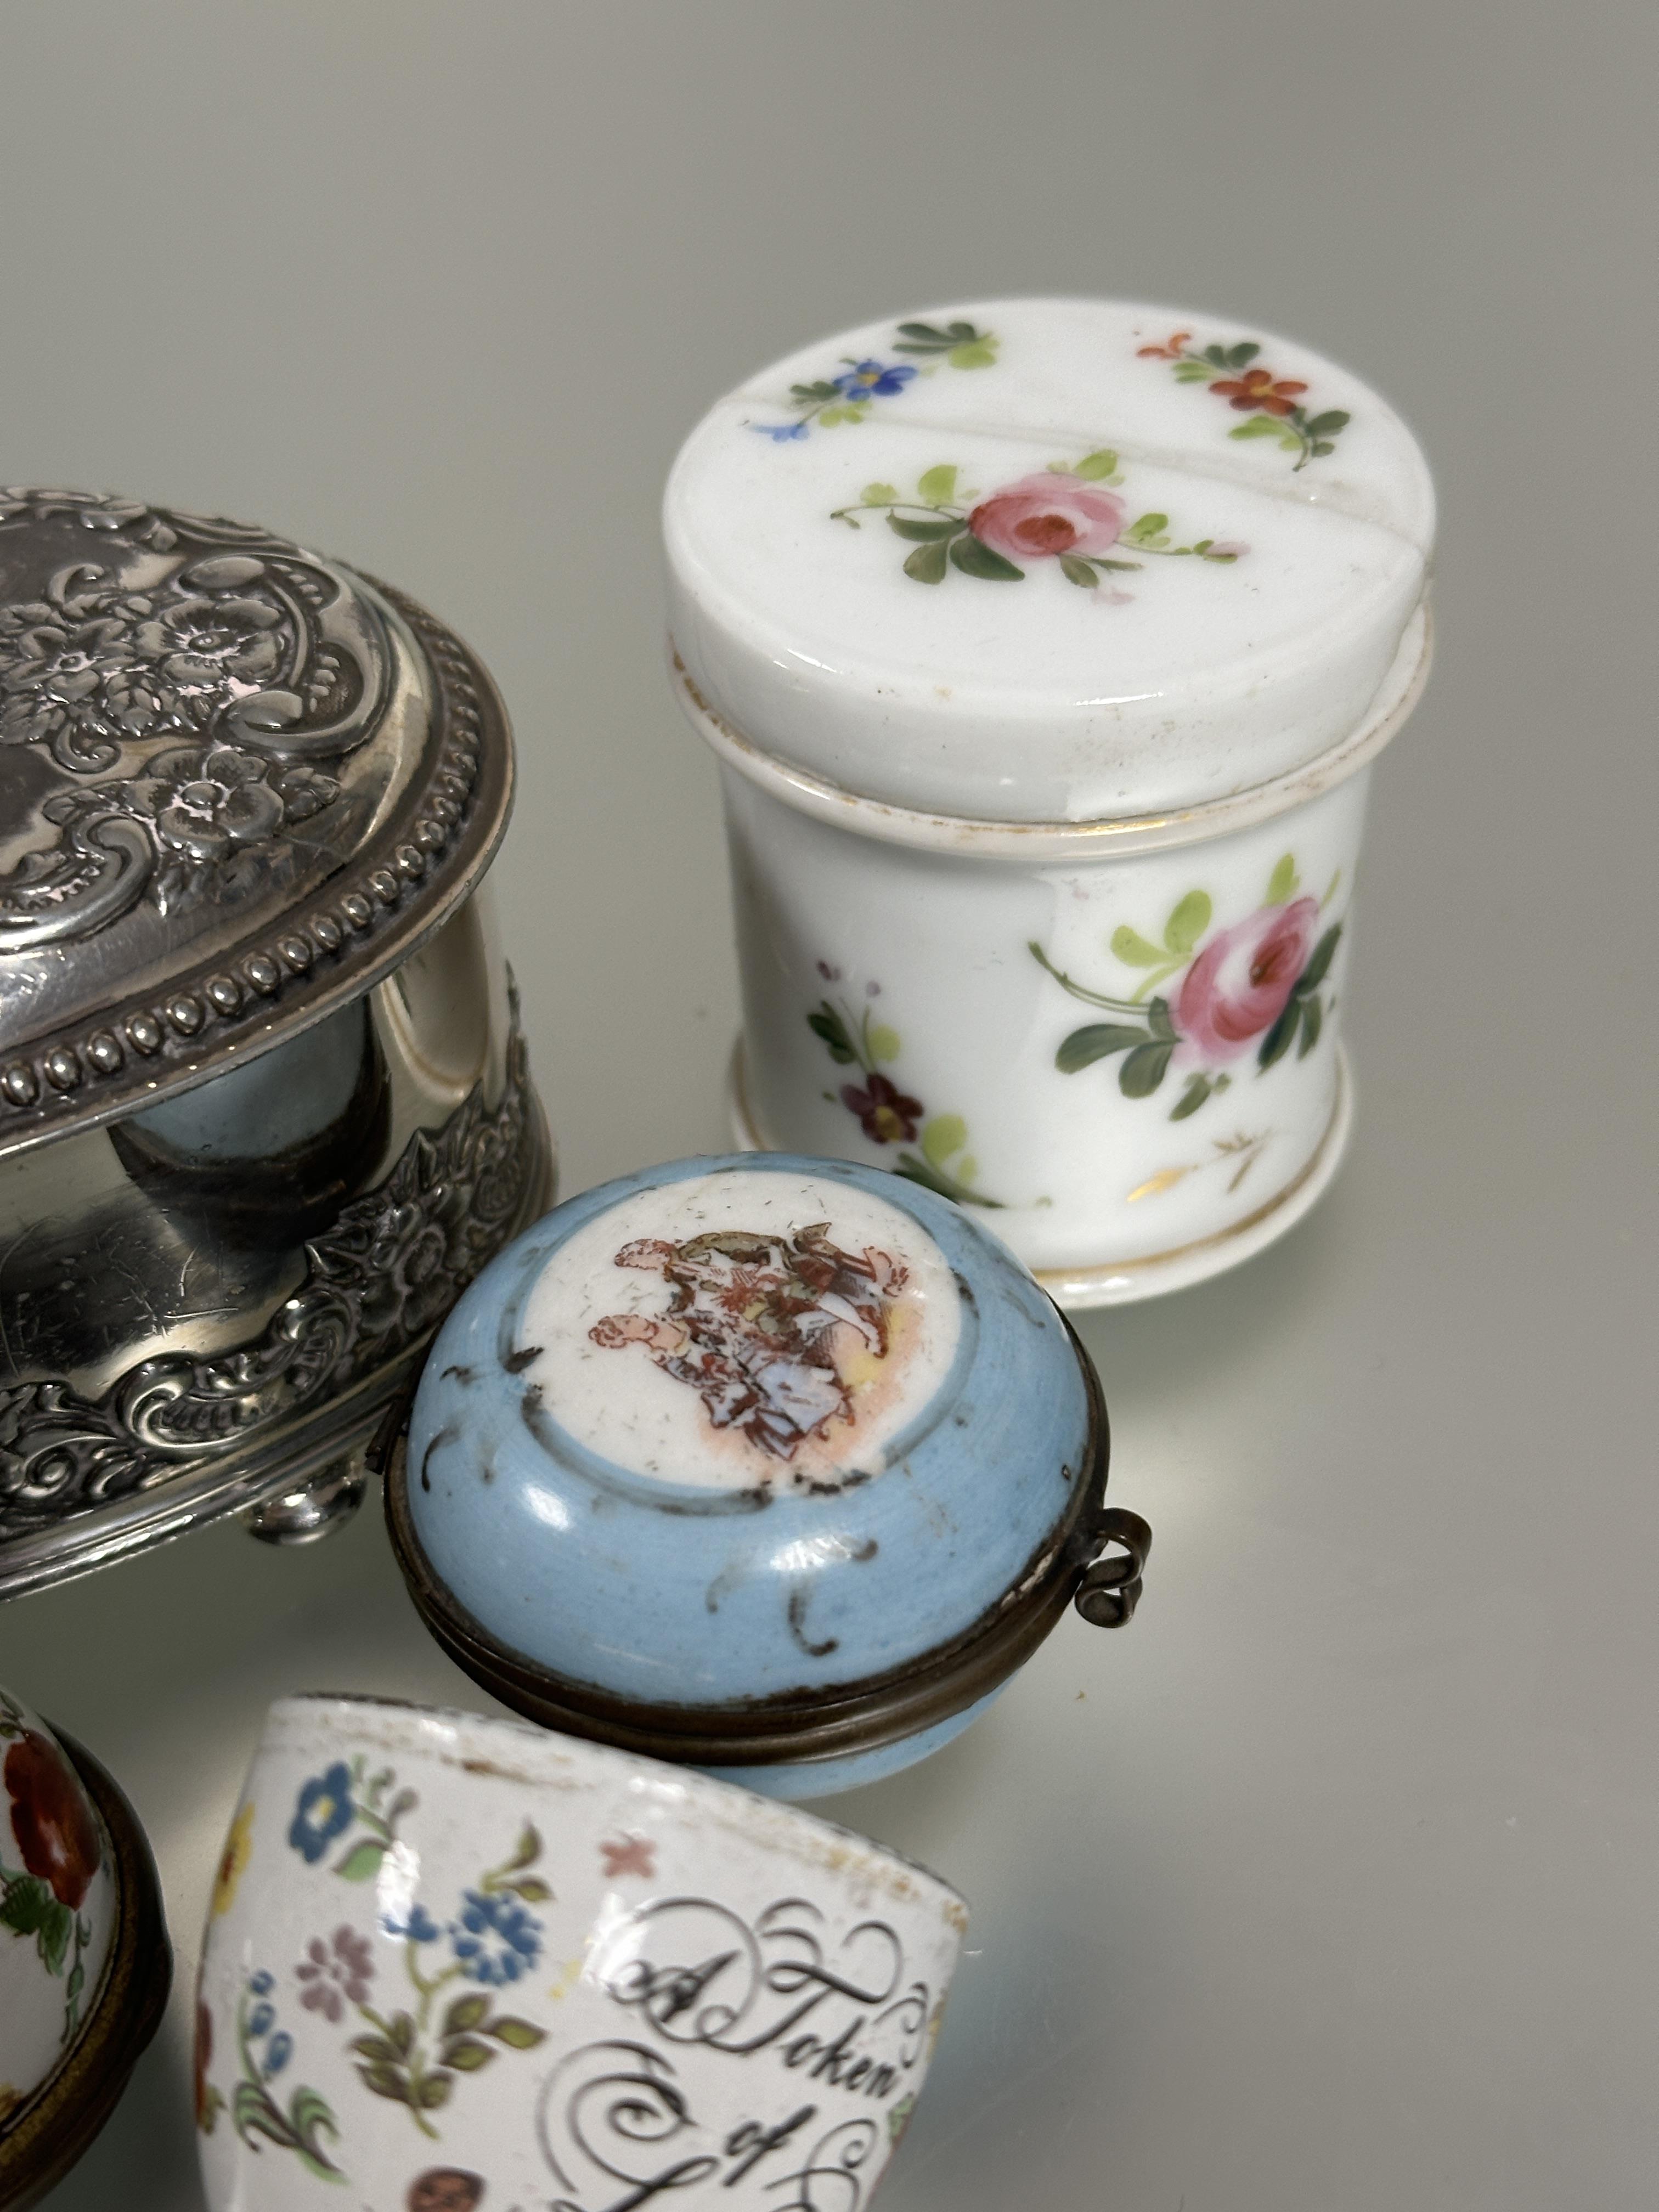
1258 387
1273 403
56 1832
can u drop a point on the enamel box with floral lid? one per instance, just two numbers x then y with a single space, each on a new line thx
776 1466
264 1105
1046 647
85 1965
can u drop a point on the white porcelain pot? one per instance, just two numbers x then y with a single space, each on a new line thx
1045 820
458 1963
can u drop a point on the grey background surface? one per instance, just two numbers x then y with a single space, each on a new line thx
1332 1886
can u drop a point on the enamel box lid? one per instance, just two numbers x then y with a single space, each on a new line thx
240 783
85 1965
1048 560
745 1437
58 1907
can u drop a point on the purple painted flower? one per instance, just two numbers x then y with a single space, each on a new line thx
887 1115
332 1975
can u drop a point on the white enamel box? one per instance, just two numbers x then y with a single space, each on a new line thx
461 1965
1045 647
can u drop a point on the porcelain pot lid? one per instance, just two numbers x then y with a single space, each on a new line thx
736 1433
1047 560
238 782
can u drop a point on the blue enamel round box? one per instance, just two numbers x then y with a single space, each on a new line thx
774 1466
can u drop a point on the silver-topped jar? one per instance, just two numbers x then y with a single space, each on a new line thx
264 1104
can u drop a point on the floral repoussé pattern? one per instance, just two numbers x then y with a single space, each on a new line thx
887 1115
59 1853
847 397
1256 983
1069 513
1272 403
176 680
406 2054
213 807
84 671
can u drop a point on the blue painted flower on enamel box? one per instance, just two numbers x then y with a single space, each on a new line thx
415 1926
412 2032
516 1938
323 1812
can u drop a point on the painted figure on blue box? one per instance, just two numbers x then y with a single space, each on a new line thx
760 1327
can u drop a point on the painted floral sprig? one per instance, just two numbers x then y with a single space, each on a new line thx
962 345
60 1850
846 398
887 1115
395 2060
1274 404
1256 983
1069 513
1237 1153
264 2049
340 1797
494 1939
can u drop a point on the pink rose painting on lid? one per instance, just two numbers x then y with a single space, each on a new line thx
1069 513
1255 984
1045 515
